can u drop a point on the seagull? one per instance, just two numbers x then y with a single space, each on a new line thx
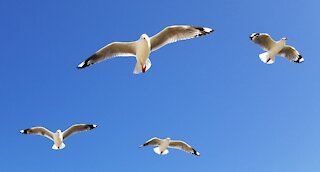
142 48
163 144
58 137
275 48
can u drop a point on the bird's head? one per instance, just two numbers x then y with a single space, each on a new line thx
145 39
168 139
58 131
144 36
284 39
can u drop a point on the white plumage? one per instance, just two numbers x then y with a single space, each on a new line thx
164 144
58 137
273 49
142 48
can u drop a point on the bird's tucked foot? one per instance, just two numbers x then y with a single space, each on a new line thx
268 60
144 67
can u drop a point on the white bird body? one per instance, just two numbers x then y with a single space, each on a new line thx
58 140
163 147
143 47
269 56
279 46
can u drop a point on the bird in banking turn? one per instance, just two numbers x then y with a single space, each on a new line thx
273 49
164 144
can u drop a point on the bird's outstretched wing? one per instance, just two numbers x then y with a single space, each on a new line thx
177 144
152 142
291 54
110 50
77 128
175 33
38 131
264 40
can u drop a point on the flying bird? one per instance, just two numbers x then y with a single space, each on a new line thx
142 48
275 48
58 137
163 144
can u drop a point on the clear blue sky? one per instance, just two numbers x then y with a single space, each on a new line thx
213 92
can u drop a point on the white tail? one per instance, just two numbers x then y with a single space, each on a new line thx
57 148
266 58
157 150
139 68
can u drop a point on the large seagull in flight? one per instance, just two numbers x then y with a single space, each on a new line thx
142 48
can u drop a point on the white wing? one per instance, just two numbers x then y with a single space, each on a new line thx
291 54
110 50
177 144
264 40
38 131
77 128
152 142
175 33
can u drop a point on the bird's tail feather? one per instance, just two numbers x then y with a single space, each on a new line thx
139 68
267 58
157 151
148 64
57 148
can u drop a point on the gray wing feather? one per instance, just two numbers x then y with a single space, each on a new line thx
175 33
109 51
291 54
177 144
152 142
77 128
264 40
38 131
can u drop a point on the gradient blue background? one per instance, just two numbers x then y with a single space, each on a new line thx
213 92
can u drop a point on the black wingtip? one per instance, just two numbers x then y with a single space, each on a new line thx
87 62
299 60
24 131
204 31
83 65
253 35
92 126
196 153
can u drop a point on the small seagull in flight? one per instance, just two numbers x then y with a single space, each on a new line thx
142 48
275 48
163 144
58 137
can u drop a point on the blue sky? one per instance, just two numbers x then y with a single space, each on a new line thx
213 92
